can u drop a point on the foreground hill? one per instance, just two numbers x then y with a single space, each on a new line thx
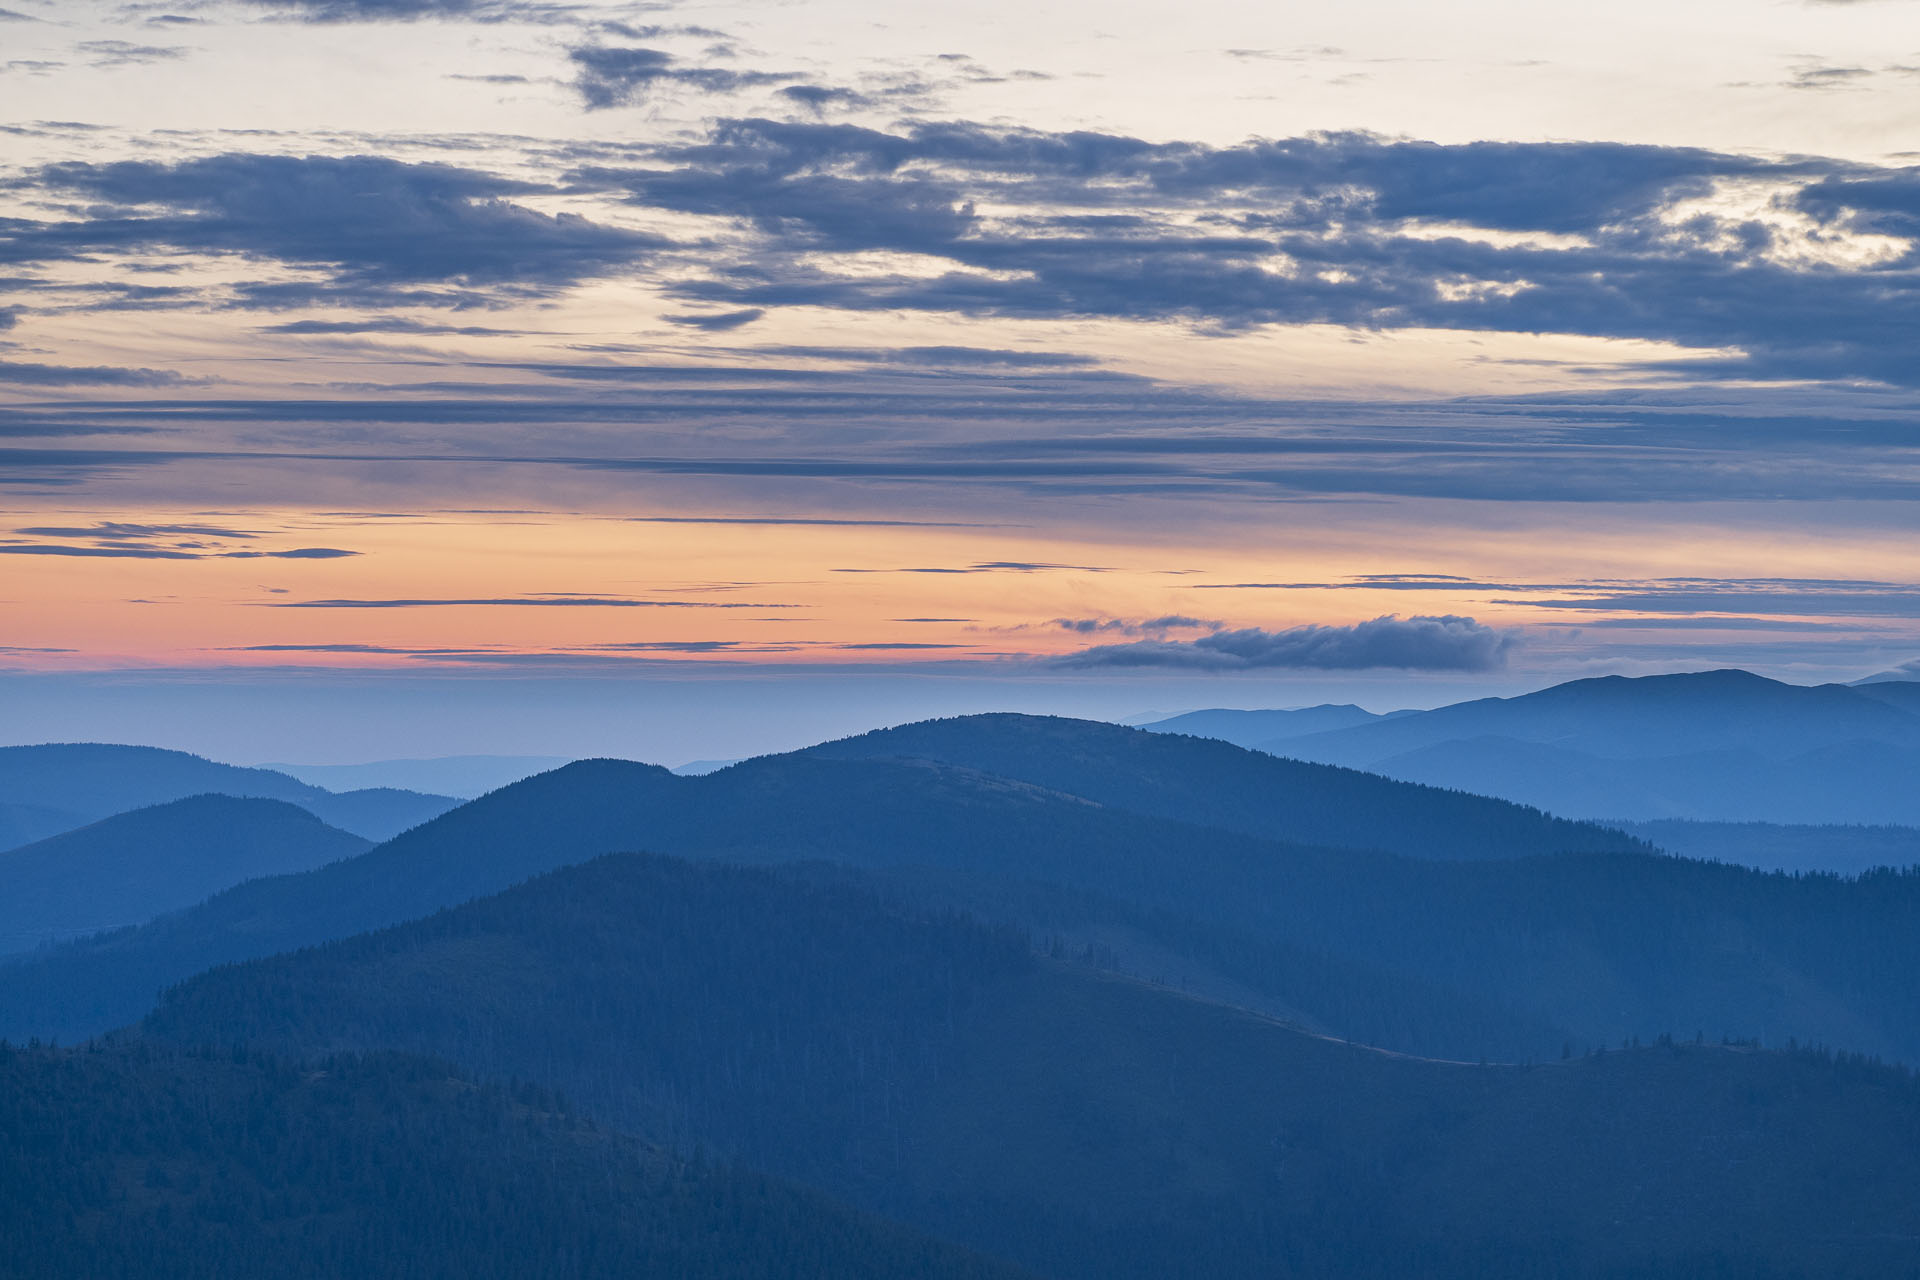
77 783
1090 1126
1210 783
129 868
142 1164
1502 959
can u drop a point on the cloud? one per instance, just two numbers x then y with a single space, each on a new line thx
1846 597
331 11
616 76
1782 596
372 226
1447 643
1819 77
61 375
120 53
130 541
817 521
880 646
817 98
298 553
719 321
995 566
940 357
1040 434
521 602
96 552
123 531
509 655
135 551
1602 240
385 324
1135 627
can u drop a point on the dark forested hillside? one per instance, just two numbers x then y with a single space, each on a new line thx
1091 1126
136 1163
1212 783
134 866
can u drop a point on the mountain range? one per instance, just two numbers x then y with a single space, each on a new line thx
983 997
1169 854
1725 746
56 787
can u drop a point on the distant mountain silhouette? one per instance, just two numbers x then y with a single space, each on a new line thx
129 868
145 1164
1724 746
463 777
378 813
24 823
84 782
1851 782
1623 717
1839 850
1904 693
930 1069
701 768
1257 728
1202 781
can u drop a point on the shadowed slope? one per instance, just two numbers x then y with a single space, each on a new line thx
142 1164
1090 1126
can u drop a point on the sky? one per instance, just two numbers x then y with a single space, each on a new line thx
392 377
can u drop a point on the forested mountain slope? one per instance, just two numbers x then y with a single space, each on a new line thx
1212 783
139 1163
1090 1126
